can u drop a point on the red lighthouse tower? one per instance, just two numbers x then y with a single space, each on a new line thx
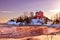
39 14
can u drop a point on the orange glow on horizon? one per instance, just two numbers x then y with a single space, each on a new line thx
3 20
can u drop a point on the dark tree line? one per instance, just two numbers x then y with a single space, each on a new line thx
27 20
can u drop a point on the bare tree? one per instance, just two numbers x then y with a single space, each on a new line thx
56 18
20 19
45 20
31 14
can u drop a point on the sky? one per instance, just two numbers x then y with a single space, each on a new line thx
14 8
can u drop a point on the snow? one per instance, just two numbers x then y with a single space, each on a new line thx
36 22
56 25
33 22
13 23
47 24
53 25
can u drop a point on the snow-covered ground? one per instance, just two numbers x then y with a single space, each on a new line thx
53 25
56 25
33 22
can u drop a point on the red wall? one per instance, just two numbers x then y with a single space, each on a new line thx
39 14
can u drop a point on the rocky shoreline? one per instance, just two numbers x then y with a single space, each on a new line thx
20 32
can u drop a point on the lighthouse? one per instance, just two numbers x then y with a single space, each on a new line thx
39 14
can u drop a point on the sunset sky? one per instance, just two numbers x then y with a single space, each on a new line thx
14 8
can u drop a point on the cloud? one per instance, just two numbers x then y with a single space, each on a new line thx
7 15
7 11
55 10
